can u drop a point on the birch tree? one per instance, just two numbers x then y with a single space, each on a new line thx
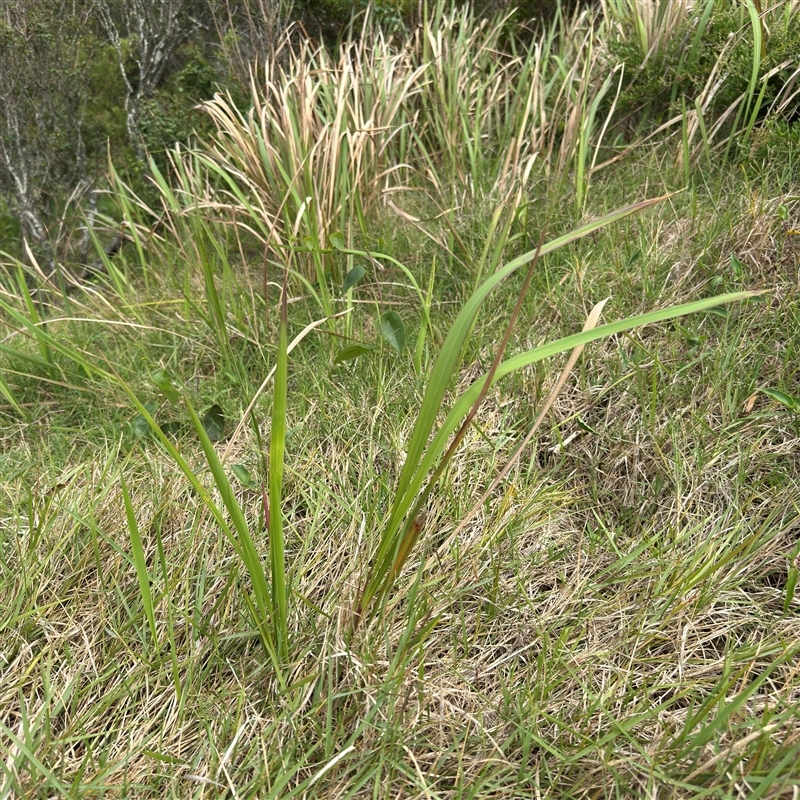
44 82
145 34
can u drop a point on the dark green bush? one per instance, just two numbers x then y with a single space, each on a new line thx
778 142
171 115
676 76
329 19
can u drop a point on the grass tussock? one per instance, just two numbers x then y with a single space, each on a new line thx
241 556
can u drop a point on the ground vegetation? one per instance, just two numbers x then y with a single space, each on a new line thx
431 431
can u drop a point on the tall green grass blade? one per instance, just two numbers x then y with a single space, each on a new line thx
416 468
5 390
748 110
425 322
465 401
382 572
701 122
442 372
462 405
137 550
30 358
23 747
586 130
216 311
126 201
44 339
44 348
242 540
277 447
118 280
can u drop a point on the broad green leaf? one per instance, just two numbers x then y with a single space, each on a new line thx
393 330
353 351
337 240
352 278
737 267
162 379
785 399
243 475
173 428
139 424
214 423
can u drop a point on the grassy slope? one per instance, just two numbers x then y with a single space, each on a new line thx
611 624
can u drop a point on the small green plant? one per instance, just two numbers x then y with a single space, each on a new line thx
389 324
427 458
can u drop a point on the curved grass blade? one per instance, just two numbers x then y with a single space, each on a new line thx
242 541
382 570
416 468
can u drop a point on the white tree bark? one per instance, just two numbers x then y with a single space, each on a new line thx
147 33
43 87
